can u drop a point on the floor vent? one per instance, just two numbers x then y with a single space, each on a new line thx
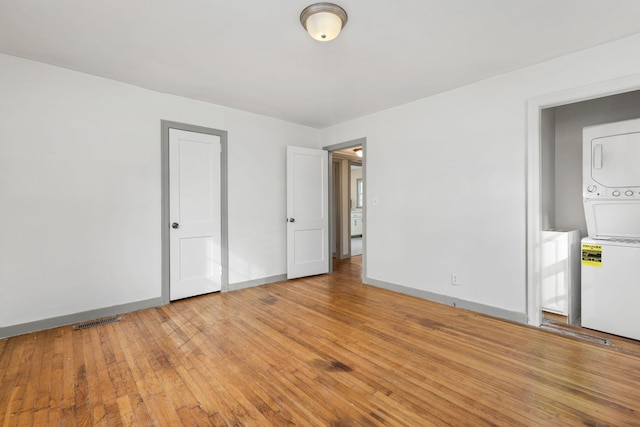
96 322
582 336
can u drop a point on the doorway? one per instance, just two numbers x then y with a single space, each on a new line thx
539 190
348 201
194 210
563 215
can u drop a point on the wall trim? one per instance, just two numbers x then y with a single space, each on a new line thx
346 144
455 302
534 179
257 282
68 319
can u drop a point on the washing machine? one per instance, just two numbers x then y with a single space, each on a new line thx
610 283
611 286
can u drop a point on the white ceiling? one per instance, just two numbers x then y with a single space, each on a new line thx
254 55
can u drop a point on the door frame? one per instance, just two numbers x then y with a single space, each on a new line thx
342 178
534 176
165 125
336 209
360 142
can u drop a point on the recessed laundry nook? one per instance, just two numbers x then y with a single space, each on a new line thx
588 257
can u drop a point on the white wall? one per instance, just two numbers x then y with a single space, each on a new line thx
80 185
464 153
80 190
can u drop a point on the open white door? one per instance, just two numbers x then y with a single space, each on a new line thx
195 215
307 212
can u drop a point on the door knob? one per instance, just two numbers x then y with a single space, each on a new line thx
175 225
292 220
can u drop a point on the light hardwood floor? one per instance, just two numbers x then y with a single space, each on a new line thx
320 351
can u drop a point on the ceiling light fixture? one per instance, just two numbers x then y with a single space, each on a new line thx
358 151
323 21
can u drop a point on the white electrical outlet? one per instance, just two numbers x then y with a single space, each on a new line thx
455 279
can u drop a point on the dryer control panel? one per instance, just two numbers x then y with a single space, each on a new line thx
593 191
611 160
611 179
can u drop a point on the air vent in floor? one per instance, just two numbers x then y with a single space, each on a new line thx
97 322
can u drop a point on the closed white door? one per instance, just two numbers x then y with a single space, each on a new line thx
194 214
307 212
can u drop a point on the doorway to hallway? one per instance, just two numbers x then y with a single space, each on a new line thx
348 202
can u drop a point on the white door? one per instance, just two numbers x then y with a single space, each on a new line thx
307 212
194 214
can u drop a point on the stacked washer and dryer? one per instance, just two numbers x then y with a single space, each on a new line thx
611 254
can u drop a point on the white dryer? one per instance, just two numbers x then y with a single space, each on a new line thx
611 179
610 284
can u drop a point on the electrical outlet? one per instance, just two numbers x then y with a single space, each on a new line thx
455 279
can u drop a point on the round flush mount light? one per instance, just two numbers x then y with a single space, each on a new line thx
323 21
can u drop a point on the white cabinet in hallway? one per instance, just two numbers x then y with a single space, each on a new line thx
356 223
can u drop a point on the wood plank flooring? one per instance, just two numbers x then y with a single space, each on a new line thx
320 351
